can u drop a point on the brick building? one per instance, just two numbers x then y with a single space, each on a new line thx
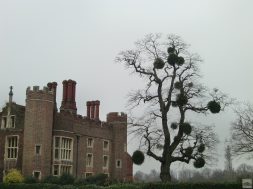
41 141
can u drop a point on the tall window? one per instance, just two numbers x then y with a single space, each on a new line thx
63 148
12 147
106 145
105 162
56 170
89 160
90 142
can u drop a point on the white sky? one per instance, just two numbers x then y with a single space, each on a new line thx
43 41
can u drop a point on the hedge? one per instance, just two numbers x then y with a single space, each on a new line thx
126 186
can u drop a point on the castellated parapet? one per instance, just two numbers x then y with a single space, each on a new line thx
52 142
117 117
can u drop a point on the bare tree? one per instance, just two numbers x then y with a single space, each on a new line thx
172 90
242 131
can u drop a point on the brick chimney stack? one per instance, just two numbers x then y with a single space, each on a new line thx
68 98
88 104
96 104
52 86
93 109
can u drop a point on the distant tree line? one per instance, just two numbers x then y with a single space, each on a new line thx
203 175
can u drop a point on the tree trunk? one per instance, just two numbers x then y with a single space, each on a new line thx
165 172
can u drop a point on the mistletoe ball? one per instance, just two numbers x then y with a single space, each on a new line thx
171 50
173 125
181 99
174 103
199 162
138 157
158 63
172 59
201 148
214 107
180 61
188 151
187 128
178 85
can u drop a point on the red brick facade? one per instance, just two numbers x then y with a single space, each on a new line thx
51 143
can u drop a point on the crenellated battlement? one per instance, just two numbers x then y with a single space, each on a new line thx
116 117
35 89
40 94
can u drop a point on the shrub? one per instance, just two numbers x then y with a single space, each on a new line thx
30 179
52 179
98 179
138 157
66 179
13 176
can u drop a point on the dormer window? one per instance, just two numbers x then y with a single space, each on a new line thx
13 120
4 122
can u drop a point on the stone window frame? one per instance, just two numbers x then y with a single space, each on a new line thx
4 122
12 125
7 147
67 167
108 145
58 169
63 149
107 165
38 154
37 171
91 162
92 142
119 166
85 174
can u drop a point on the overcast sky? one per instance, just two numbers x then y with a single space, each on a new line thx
43 41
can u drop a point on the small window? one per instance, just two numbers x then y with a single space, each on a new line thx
90 142
89 160
106 145
12 121
37 174
118 163
88 174
125 147
105 162
38 149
